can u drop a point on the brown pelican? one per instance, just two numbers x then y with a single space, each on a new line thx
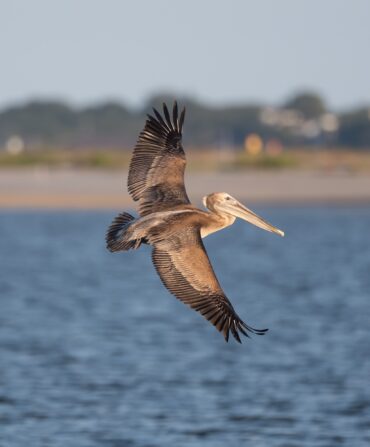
174 227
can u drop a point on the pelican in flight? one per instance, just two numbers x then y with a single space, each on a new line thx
174 227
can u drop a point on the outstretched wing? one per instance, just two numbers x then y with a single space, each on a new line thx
184 268
156 174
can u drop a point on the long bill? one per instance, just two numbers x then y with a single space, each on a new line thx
239 210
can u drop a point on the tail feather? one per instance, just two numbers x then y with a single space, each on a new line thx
116 237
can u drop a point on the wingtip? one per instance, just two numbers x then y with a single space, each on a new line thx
160 119
226 337
182 118
259 331
242 328
175 116
177 121
167 116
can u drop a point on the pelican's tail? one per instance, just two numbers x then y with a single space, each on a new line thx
117 237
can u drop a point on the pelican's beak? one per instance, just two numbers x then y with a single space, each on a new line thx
238 210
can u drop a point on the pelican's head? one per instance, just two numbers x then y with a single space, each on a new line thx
224 203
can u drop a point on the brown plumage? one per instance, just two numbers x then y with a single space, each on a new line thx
156 174
174 227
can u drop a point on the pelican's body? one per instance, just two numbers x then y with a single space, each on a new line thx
174 227
177 219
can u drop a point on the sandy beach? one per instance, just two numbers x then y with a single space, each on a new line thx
95 189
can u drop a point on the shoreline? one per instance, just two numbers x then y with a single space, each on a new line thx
42 188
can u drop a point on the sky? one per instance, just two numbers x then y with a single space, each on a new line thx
220 52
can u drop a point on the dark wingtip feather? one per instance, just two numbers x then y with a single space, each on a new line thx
240 328
166 121
237 327
151 119
235 332
160 119
227 336
181 120
253 330
167 115
175 116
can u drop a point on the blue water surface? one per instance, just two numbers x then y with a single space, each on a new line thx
95 352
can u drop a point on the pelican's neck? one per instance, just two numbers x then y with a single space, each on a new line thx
216 221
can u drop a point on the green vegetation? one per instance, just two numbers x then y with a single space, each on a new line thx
198 160
267 161
109 159
323 160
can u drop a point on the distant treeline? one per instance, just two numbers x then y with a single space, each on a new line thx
303 120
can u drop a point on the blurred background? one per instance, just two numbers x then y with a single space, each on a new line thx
94 351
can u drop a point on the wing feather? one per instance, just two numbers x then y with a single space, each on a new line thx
184 268
156 174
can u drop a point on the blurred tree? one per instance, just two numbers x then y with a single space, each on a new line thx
37 121
311 105
354 129
108 124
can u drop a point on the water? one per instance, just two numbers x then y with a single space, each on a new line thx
95 352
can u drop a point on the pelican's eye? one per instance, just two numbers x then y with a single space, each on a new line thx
227 198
